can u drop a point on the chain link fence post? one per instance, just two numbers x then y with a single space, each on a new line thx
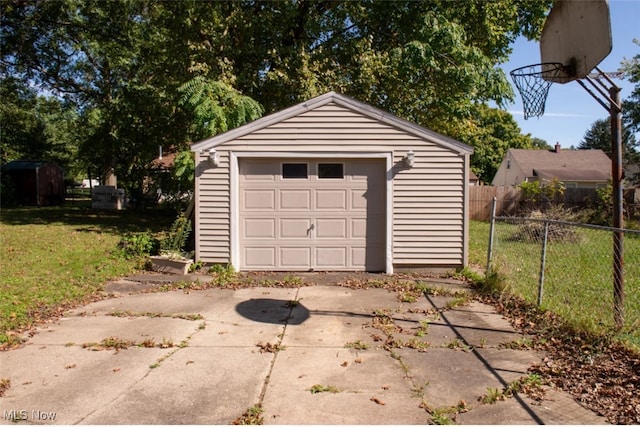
491 235
543 261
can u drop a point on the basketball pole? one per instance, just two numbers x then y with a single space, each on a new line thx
613 105
618 208
578 35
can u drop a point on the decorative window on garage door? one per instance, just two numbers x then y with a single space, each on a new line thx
331 170
295 171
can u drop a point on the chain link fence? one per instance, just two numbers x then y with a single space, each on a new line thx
571 269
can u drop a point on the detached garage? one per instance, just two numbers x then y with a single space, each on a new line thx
332 184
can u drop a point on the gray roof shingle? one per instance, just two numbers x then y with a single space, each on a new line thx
578 165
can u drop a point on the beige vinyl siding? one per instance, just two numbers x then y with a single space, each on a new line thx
428 225
212 212
428 199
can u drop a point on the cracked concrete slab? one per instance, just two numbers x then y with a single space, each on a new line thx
366 387
388 361
72 382
204 385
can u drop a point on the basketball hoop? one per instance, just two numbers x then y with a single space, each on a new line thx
533 82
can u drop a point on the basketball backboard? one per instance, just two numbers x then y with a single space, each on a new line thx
577 34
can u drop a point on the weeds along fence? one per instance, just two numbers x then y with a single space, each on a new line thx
570 269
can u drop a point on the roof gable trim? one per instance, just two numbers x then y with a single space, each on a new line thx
342 101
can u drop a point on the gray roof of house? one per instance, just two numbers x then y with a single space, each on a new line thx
578 165
566 174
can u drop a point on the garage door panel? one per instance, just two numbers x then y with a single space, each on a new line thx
364 170
374 229
294 228
358 199
372 257
259 228
359 255
295 199
331 228
295 257
331 257
259 257
259 199
365 228
258 171
331 199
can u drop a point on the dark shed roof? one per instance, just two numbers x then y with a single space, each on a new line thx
17 165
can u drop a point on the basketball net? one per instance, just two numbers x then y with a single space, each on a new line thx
533 82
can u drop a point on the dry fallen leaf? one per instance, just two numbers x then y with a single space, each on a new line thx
376 400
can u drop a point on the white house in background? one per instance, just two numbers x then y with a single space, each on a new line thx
332 184
574 168
473 179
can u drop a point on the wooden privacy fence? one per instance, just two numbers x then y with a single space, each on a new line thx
509 200
481 200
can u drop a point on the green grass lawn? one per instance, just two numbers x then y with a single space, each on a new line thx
578 281
54 257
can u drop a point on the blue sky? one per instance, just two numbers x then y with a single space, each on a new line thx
570 110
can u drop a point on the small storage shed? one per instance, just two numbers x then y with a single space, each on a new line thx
38 183
332 184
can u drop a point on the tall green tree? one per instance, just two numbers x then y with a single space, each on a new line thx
598 136
492 132
631 105
216 107
23 133
122 62
107 59
631 108
426 61
35 127
540 144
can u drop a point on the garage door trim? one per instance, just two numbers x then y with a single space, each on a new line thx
235 193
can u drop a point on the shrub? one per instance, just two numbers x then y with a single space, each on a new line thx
175 241
135 245
601 212
540 194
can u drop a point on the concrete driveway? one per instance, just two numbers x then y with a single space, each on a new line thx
321 354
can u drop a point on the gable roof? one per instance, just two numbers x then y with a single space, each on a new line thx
19 165
566 165
344 101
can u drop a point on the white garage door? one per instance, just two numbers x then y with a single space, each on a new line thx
315 214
